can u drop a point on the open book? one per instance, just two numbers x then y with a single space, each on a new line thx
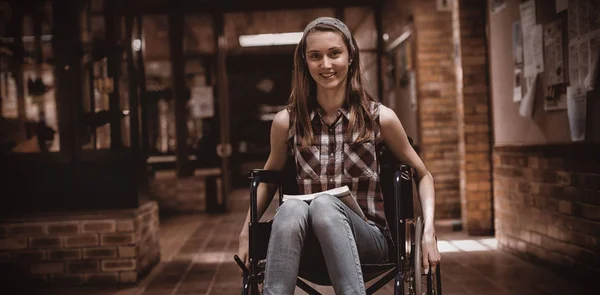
343 193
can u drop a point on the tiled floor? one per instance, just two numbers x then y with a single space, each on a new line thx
197 253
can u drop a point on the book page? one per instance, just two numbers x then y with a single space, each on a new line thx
343 193
338 192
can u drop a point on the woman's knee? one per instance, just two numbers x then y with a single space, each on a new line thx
292 213
324 209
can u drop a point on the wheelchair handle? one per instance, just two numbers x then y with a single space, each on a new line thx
240 263
265 176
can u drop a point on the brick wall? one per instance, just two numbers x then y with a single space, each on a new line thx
436 83
473 115
79 248
181 195
453 104
547 205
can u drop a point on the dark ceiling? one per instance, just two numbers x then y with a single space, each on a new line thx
194 6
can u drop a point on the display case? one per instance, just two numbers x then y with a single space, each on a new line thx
71 132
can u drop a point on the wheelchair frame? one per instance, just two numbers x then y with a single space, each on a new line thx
396 181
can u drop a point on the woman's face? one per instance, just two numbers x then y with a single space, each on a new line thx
327 59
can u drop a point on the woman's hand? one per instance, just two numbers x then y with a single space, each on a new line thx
431 255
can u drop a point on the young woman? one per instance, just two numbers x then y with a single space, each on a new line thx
332 126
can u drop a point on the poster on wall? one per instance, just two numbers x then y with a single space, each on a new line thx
526 107
527 11
553 47
584 36
533 47
202 102
517 39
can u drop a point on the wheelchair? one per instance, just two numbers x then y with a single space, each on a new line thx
405 265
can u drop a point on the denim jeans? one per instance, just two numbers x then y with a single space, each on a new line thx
304 235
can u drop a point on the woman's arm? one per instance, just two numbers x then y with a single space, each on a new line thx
394 137
276 161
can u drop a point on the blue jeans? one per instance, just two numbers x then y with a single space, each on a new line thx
304 235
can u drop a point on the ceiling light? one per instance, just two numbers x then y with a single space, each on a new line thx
270 39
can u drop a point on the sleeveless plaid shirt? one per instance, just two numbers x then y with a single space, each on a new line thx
334 159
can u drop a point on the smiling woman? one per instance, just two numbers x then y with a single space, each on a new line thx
327 60
332 127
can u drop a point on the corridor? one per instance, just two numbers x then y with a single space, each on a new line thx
197 251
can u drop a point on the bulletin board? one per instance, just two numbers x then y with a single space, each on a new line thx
546 52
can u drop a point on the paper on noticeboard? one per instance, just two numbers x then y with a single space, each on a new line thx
537 38
553 47
517 38
527 10
202 102
528 21
589 82
576 111
526 108
518 85
584 42
497 6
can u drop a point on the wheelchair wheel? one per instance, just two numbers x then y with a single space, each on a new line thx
417 269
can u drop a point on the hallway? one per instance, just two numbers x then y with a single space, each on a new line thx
197 251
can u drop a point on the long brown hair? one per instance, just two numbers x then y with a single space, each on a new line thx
303 97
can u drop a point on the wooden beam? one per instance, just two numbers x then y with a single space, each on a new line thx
112 27
223 107
176 27
67 47
143 89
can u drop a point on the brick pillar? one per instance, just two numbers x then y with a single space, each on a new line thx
473 111
437 103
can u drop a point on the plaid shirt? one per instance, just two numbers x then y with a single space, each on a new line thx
334 159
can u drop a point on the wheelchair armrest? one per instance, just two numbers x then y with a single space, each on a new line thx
265 176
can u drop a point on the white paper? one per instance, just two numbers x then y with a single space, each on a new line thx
533 51
526 108
584 39
576 104
497 6
517 37
517 85
589 82
553 47
202 102
561 5
528 19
